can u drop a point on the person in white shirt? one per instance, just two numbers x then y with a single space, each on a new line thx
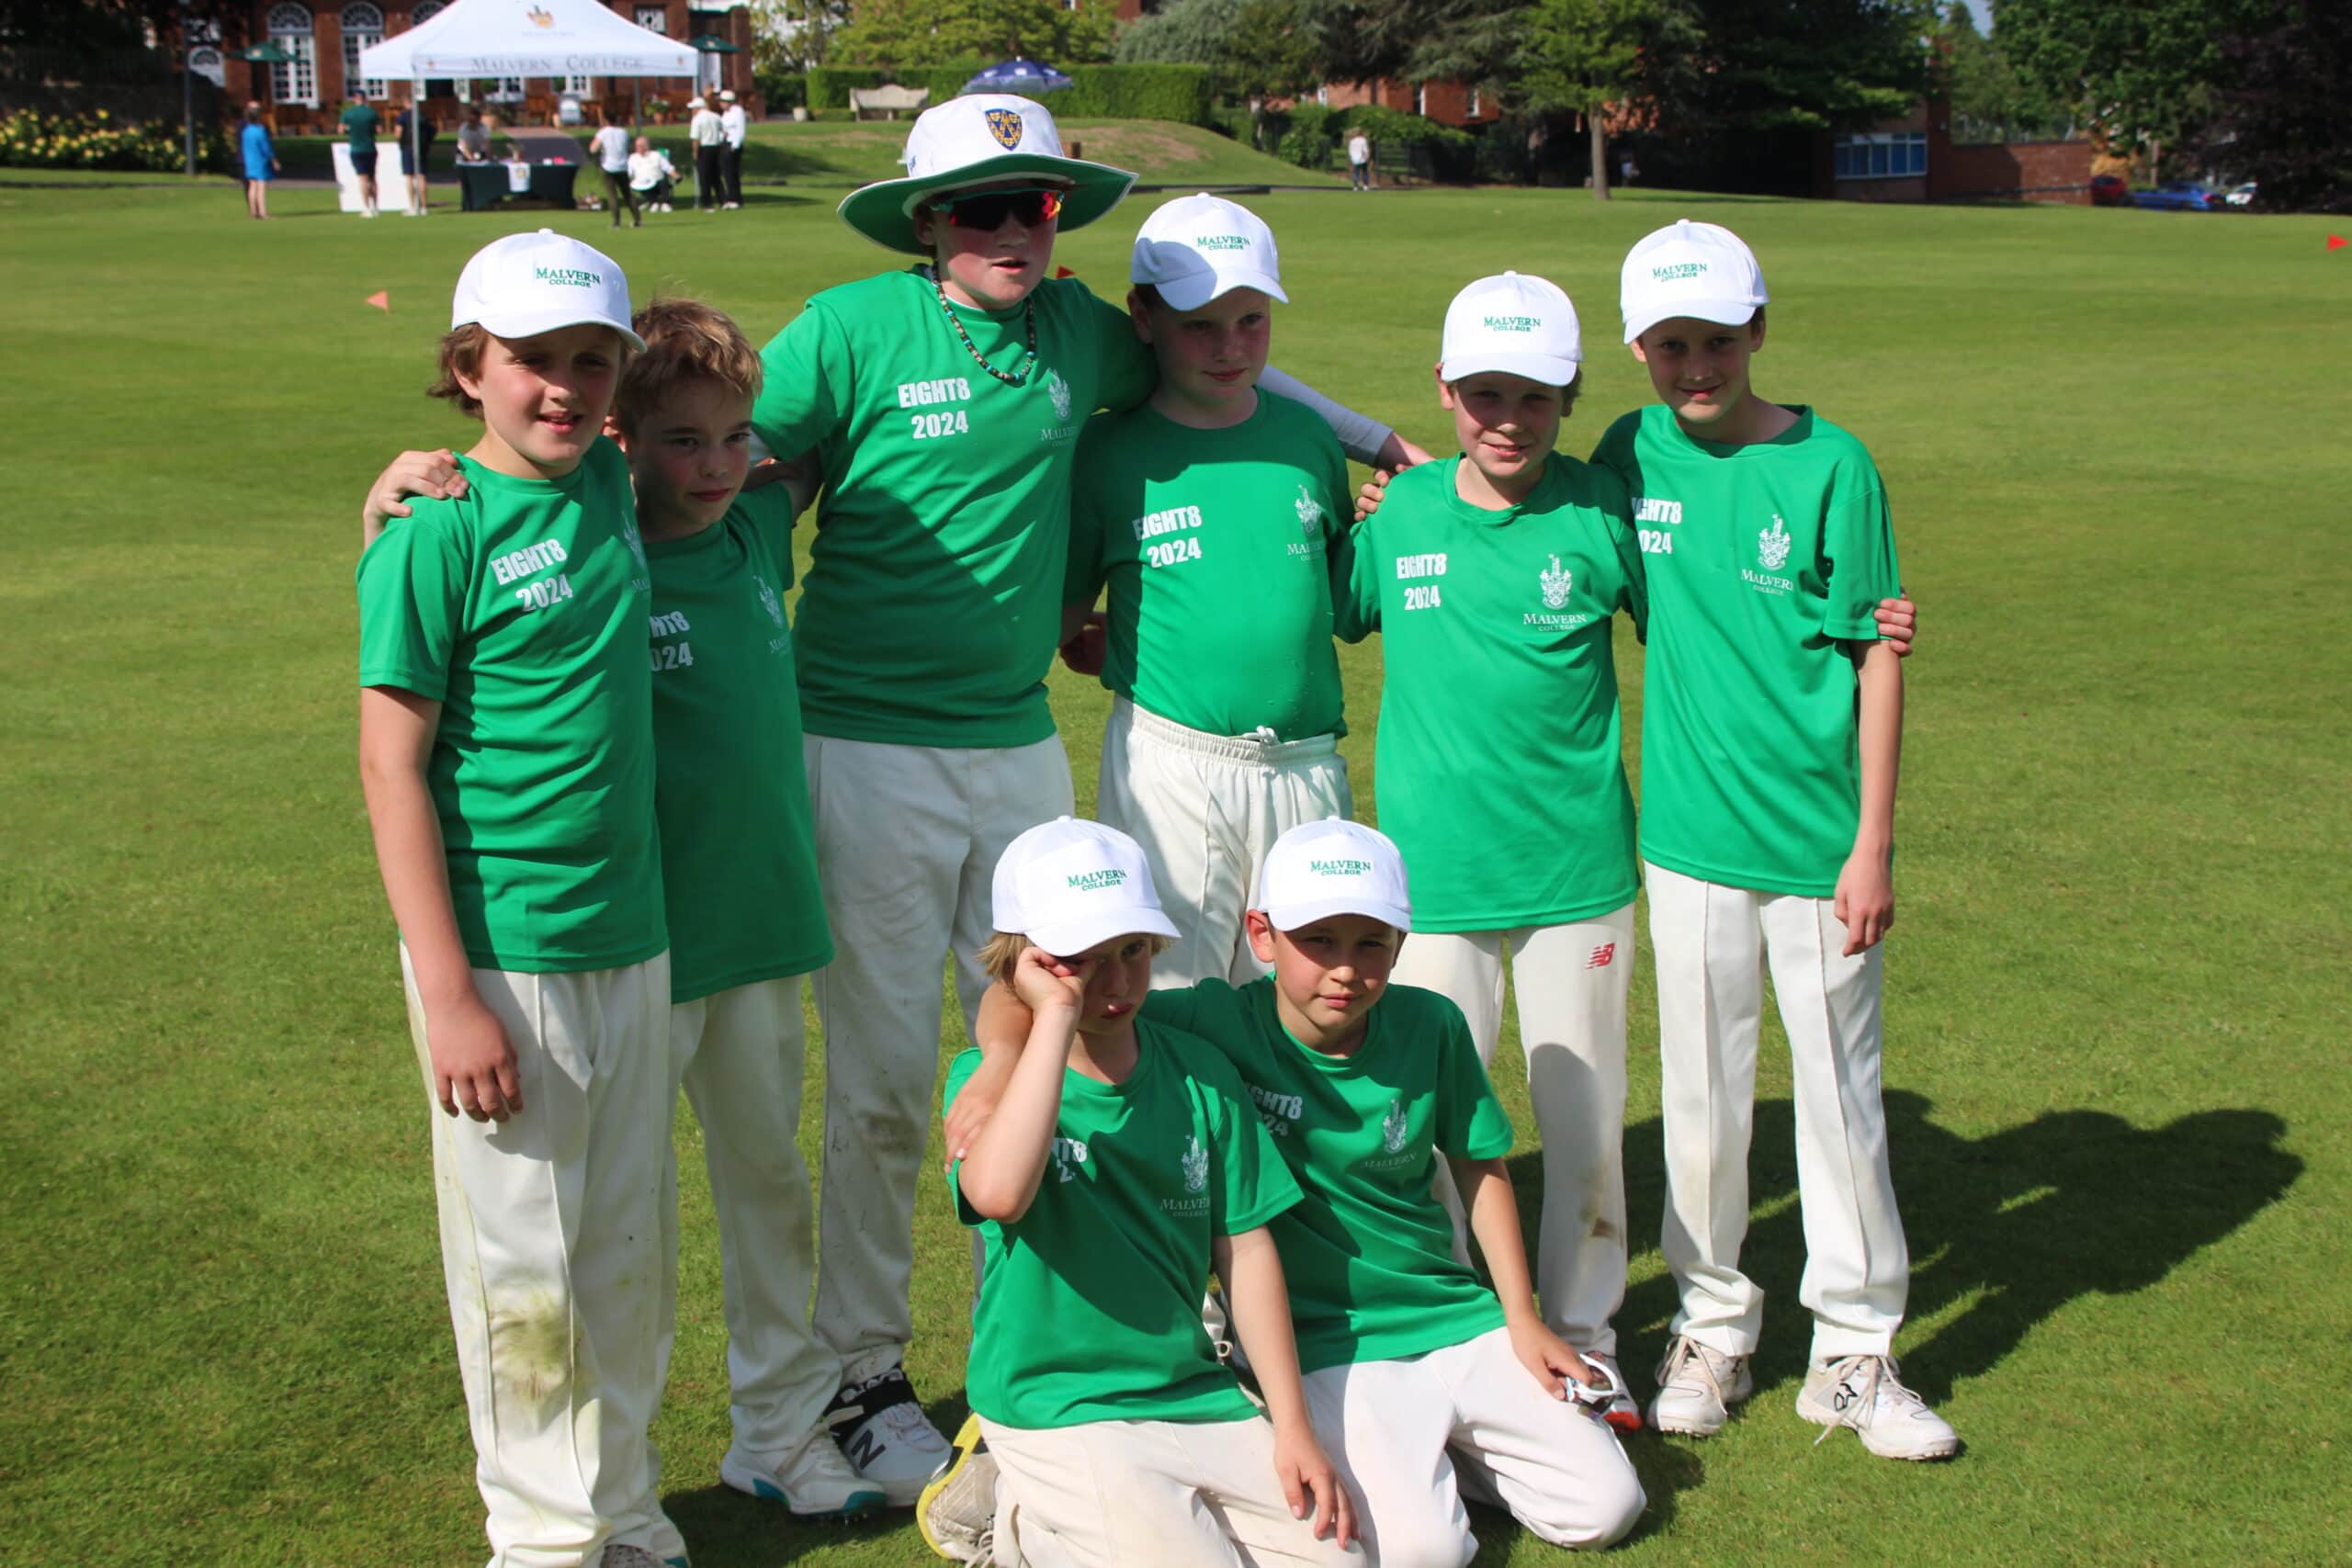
735 126
609 146
651 175
1359 160
708 134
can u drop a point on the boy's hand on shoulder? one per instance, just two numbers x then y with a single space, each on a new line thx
1865 898
433 474
1398 453
1547 1358
1370 494
1898 623
474 1069
1310 1479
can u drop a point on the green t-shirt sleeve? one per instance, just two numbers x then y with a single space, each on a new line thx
1470 1121
1355 584
959 1072
1633 593
1858 563
413 586
769 510
1249 1184
1129 371
1615 452
806 382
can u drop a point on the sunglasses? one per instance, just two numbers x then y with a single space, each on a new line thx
988 210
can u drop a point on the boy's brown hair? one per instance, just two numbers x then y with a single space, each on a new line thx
460 355
684 341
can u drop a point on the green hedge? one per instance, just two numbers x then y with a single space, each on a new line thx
1180 93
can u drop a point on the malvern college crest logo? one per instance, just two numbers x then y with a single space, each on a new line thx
1392 1127
1055 388
1310 512
1005 126
1772 544
768 600
1555 581
1196 1166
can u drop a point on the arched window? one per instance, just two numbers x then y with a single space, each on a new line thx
425 12
296 80
206 62
363 28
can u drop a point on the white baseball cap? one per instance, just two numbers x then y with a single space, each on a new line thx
1067 884
527 284
1197 247
980 138
728 95
696 103
1334 867
1702 270
1515 322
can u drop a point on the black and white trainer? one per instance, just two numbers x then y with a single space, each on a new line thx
883 1433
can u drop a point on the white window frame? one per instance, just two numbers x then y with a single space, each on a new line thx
1421 99
205 61
1474 105
505 90
424 11
580 87
291 29
362 24
1881 155
653 20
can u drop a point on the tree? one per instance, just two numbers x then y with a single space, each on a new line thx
791 35
1794 65
941 33
2282 123
1588 54
1260 48
1990 102
2136 70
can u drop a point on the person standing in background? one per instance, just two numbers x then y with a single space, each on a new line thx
610 146
736 127
1359 160
414 129
706 131
361 124
260 160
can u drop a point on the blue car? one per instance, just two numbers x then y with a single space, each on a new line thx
2181 196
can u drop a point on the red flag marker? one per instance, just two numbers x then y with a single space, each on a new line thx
2337 241
1065 272
381 300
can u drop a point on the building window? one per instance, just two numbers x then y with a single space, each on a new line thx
579 86
426 11
1883 155
653 19
1421 100
1473 103
505 90
363 28
297 80
206 62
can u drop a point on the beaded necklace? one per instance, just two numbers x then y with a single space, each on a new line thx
1029 315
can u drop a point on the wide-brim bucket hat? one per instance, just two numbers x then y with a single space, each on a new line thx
981 139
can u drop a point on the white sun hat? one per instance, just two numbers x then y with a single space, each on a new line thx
1701 270
1514 323
1068 883
1197 247
980 138
1334 867
527 284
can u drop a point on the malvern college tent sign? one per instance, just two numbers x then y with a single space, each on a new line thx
526 37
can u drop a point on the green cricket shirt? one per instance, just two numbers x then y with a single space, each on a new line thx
738 846
1093 1306
1497 761
1763 559
360 123
1368 1250
932 604
1217 546
520 608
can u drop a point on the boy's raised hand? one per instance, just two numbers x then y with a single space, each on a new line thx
1370 494
1898 623
1307 1476
1044 982
433 474
474 1069
1547 1358
1865 899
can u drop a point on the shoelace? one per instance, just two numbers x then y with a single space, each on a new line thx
1879 1381
1689 1350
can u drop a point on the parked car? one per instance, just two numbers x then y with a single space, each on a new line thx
2181 196
2241 196
2111 190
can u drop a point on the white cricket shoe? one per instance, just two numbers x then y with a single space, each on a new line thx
957 1513
881 1428
1697 1387
813 1481
1863 1393
1623 1412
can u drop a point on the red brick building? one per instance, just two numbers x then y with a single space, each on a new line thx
326 36
1915 159
1448 103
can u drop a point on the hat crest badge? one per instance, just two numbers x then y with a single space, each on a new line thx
1005 126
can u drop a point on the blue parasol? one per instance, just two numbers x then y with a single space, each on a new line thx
1026 77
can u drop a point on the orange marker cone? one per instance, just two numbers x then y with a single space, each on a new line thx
2337 241
381 300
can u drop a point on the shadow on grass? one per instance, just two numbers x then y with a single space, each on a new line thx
724 1527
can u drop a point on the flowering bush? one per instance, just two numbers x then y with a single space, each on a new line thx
31 139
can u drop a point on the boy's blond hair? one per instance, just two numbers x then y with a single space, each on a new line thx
1002 955
684 341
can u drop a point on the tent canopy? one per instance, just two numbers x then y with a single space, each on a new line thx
526 37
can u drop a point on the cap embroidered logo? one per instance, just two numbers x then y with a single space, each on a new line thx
1005 126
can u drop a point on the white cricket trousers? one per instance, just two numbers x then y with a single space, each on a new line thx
1147 1494
1206 808
1398 1430
1713 943
908 839
552 1234
1571 982
738 1053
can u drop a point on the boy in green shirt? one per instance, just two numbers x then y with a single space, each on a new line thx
1215 512
1422 1381
504 746
941 407
1771 727
1121 1165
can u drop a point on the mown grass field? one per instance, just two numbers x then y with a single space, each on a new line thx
2116 993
